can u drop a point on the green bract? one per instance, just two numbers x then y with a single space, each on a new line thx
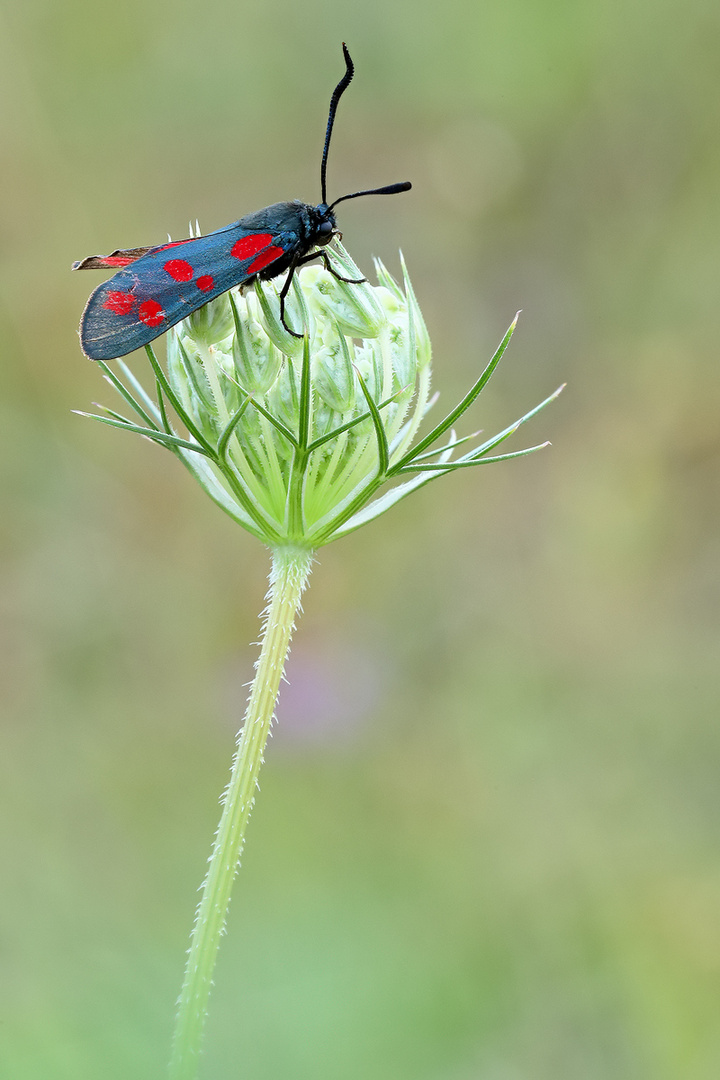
295 436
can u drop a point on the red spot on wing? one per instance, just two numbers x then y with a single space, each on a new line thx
151 313
250 245
117 260
205 283
120 303
269 255
179 270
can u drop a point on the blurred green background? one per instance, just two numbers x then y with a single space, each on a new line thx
487 842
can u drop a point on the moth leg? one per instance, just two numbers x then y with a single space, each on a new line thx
291 271
284 291
339 277
324 256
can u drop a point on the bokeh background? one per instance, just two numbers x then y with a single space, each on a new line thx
486 846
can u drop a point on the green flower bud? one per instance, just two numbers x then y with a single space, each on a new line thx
187 374
294 437
350 305
257 361
333 375
210 323
296 315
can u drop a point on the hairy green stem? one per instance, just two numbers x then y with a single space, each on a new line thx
288 577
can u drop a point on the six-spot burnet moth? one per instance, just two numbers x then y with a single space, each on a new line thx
156 287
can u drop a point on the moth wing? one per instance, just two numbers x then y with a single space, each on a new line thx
113 261
152 293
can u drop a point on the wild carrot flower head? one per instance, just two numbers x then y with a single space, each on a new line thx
294 437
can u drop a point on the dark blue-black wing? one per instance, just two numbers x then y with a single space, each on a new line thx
156 290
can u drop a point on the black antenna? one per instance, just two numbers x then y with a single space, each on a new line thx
391 189
337 94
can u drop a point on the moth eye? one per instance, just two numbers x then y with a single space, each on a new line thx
325 228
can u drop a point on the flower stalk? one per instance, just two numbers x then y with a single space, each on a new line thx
288 578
